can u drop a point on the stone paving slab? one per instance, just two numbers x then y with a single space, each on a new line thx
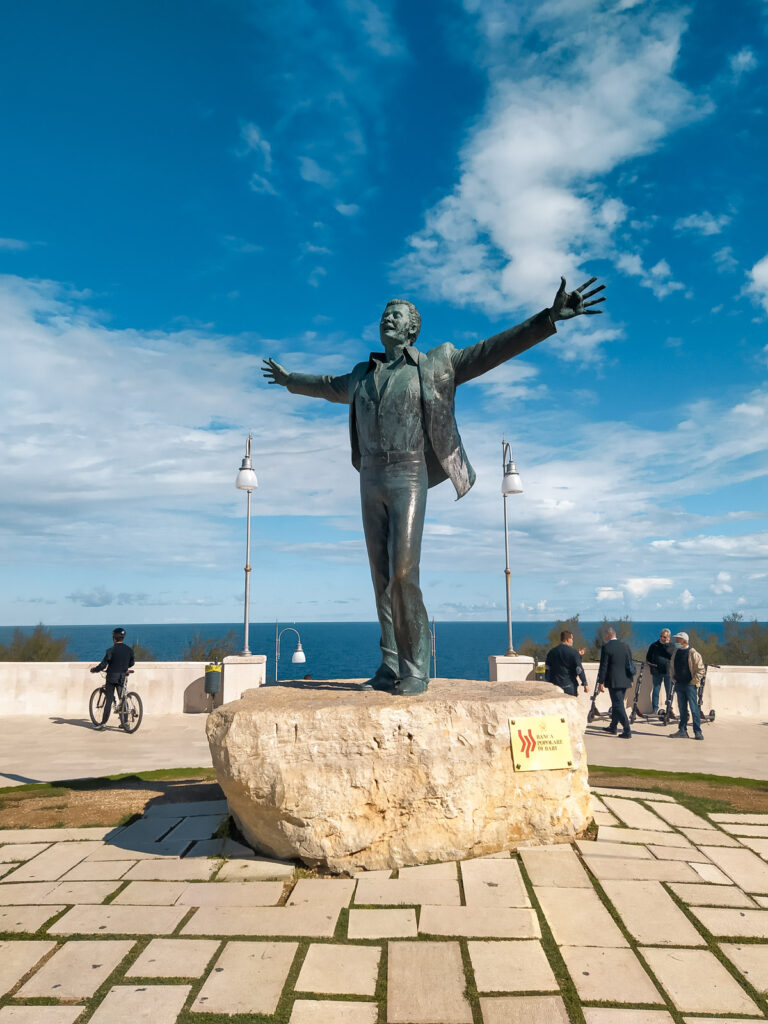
550 868
248 977
758 831
523 1010
308 922
708 837
609 975
710 873
697 982
322 892
493 883
676 814
222 847
26 919
758 846
686 853
605 818
339 970
650 915
142 1004
632 794
55 835
598 849
752 924
98 870
613 1015
56 892
425 984
635 815
172 870
641 870
577 917
478 922
76 969
40 1014
382 924
231 894
711 895
24 893
762 901
146 830
149 894
18 957
21 851
116 920
511 966
641 835
174 958
746 819
746 869
327 1011
56 861
191 808
720 1020
191 829
137 851
256 870
404 891
446 872
752 960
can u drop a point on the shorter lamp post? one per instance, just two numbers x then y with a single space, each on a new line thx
298 657
510 484
246 481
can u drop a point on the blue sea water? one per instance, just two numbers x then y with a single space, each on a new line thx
341 650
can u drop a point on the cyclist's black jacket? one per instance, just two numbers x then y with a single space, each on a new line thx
117 660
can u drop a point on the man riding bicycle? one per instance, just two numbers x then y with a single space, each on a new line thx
117 660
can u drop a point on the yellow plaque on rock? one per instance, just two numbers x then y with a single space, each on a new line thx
540 743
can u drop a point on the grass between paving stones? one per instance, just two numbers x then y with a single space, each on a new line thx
699 791
713 945
552 952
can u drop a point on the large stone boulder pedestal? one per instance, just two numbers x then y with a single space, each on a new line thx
352 779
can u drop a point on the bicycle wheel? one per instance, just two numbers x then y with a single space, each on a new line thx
131 712
96 704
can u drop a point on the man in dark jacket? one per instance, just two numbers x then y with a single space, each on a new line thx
117 660
564 665
658 657
616 672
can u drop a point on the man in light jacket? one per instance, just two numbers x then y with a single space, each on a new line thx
687 670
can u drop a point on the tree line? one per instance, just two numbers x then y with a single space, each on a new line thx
742 643
39 645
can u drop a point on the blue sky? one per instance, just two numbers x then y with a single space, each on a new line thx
188 187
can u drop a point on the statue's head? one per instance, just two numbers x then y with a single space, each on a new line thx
400 323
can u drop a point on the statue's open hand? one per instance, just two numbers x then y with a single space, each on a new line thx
568 304
274 372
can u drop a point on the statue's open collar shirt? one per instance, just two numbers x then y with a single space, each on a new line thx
388 410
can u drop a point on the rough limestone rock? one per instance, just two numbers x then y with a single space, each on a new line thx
350 779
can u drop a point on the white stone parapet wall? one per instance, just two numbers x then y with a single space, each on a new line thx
166 687
732 691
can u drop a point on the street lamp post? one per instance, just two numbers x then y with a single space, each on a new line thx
298 657
246 481
510 484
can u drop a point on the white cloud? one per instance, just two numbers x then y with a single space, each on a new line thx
609 594
255 142
722 584
310 170
658 278
347 209
757 285
641 586
725 260
742 62
13 244
530 202
513 380
686 598
703 223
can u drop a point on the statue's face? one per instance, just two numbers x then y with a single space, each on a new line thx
395 324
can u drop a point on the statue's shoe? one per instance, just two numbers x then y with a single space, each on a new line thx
384 680
411 685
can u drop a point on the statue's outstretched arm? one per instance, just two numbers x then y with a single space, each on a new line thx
332 389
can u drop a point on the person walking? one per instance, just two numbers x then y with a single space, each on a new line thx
659 656
616 672
117 660
687 670
563 665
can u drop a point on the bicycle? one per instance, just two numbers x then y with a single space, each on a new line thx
128 705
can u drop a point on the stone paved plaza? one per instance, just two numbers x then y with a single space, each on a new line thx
663 919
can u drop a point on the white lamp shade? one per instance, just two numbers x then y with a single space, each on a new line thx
298 657
511 483
246 480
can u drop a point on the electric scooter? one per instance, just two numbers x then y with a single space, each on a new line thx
700 697
666 714
636 712
593 713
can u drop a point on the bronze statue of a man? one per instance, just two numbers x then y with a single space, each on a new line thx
404 440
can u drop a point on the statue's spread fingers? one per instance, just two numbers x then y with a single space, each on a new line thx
594 291
587 284
594 302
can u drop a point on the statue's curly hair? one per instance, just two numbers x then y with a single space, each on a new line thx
414 318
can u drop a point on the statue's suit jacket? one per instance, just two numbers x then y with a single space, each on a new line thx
441 370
